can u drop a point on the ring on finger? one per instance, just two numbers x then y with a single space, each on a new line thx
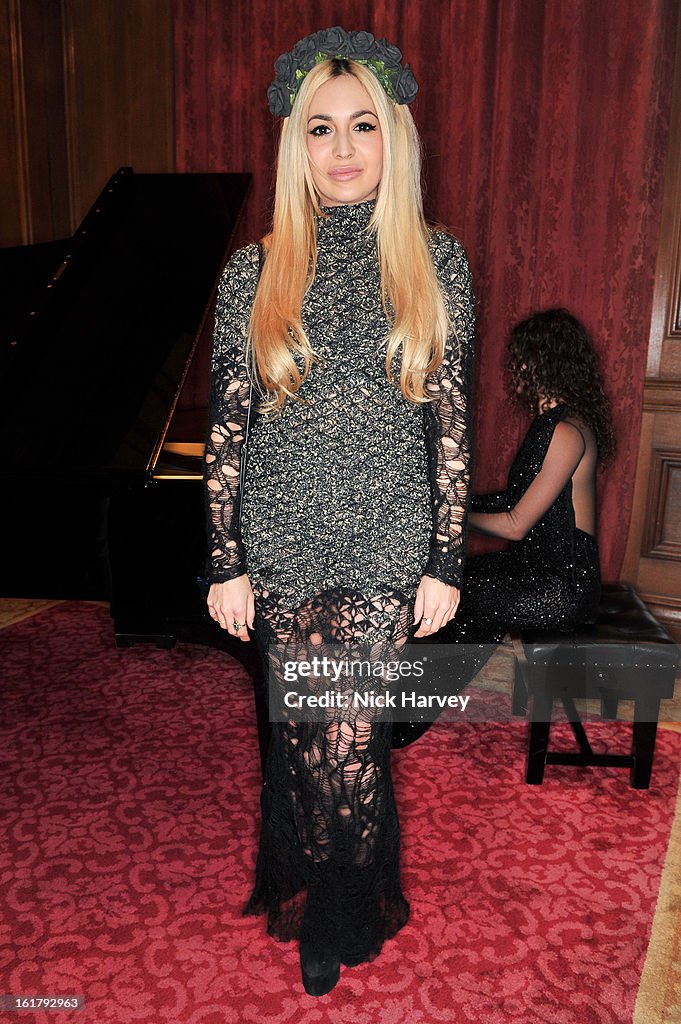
237 625
429 622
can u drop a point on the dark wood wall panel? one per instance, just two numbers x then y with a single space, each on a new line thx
13 207
87 87
122 54
653 557
46 171
663 519
670 348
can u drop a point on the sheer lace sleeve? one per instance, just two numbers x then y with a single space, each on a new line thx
448 419
227 417
561 460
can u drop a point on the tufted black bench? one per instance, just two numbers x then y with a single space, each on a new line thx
624 655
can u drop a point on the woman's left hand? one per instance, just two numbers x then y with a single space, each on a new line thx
436 601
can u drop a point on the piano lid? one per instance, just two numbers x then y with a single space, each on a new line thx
90 373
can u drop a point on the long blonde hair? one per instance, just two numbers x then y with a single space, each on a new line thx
412 299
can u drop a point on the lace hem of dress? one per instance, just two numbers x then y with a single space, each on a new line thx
329 817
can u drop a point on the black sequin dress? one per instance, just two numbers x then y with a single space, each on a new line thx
348 501
549 579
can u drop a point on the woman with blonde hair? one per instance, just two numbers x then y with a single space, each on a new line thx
347 336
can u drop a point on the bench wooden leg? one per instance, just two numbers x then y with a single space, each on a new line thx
646 713
519 698
609 708
521 683
540 729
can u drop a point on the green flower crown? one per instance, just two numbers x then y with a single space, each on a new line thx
379 55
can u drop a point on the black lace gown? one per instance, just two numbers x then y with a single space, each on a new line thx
348 501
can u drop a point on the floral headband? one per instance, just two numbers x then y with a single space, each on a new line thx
378 54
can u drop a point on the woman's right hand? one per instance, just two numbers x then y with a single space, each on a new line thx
230 601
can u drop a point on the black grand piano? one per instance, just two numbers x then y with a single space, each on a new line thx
104 369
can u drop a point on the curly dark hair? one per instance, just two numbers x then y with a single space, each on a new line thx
551 355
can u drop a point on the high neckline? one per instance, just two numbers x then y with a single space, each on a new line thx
350 209
346 222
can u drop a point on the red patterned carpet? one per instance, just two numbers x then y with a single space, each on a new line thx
131 814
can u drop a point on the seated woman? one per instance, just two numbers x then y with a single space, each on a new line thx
549 575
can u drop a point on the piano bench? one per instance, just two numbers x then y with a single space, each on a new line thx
624 655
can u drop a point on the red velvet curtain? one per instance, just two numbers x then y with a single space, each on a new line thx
545 126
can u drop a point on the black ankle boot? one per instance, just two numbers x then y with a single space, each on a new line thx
320 973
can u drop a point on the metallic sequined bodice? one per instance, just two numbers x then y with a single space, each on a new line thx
337 489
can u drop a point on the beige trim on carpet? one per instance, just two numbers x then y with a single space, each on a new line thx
659 994
14 609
